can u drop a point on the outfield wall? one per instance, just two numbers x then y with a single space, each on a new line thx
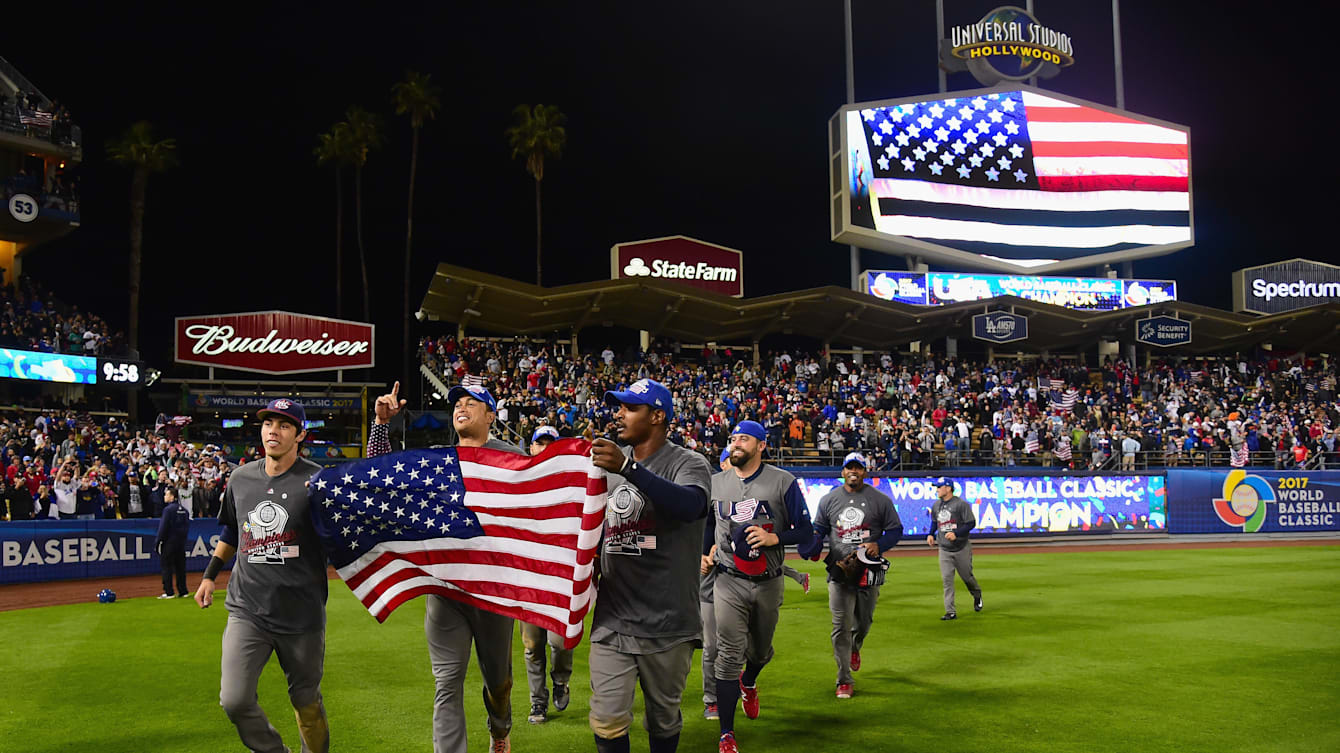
67 549
1237 501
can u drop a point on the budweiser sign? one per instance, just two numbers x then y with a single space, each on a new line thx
274 342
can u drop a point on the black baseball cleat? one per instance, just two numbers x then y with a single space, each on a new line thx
977 603
538 713
561 697
949 616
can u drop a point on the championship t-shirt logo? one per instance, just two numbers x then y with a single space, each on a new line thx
625 530
849 528
264 540
943 517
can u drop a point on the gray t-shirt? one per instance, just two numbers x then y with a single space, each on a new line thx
279 577
649 582
853 519
953 515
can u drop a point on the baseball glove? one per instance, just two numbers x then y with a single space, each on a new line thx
851 568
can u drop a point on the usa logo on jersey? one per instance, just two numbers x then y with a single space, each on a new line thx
744 510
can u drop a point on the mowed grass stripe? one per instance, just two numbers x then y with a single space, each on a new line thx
1206 649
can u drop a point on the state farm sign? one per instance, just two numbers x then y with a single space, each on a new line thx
692 262
274 342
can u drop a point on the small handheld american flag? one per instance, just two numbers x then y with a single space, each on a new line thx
511 534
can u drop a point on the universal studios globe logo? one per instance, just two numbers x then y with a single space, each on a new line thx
1008 44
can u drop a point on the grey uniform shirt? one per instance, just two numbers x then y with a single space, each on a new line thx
279 579
954 515
855 518
740 503
649 587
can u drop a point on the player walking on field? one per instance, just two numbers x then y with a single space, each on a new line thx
277 593
951 521
646 625
759 510
851 517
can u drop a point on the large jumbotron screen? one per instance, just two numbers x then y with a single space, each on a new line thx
1009 179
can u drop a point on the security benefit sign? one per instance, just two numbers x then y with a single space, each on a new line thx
64 549
1023 504
1000 327
1163 331
1242 501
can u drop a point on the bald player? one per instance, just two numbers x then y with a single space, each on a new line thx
536 639
645 625
759 510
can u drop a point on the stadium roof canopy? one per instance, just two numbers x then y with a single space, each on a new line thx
501 306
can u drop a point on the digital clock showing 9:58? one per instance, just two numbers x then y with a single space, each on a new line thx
112 371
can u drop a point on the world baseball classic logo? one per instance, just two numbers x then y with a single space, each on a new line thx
1244 502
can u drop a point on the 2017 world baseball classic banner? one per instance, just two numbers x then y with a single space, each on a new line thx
42 550
1023 504
1251 501
504 532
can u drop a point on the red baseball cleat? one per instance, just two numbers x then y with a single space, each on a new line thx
749 699
856 661
805 585
844 691
727 744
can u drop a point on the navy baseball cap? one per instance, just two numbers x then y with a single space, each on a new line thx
750 428
855 457
943 481
643 392
285 408
544 432
475 391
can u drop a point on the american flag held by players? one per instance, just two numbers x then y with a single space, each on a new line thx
507 533
1019 174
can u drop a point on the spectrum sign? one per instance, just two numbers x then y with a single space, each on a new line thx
1079 293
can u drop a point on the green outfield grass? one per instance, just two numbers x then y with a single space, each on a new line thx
1197 650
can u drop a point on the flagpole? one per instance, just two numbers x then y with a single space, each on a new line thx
939 35
1116 53
855 253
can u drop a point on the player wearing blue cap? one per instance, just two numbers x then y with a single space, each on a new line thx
536 639
951 521
851 517
645 626
759 511
277 591
451 626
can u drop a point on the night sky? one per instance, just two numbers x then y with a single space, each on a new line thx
705 119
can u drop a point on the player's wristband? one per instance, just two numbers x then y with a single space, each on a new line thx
213 568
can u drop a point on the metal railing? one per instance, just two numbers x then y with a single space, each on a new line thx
939 458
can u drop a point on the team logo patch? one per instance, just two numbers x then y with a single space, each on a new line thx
640 386
282 404
744 510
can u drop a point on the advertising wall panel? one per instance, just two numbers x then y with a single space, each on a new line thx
1239 501
1023 504
1079 293
1288 285
66 549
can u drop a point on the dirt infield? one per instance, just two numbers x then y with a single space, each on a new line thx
51 593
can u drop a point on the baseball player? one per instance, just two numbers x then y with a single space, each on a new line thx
759 510
645 626
450 626
951 521
170 543
536 638
277 593
854 515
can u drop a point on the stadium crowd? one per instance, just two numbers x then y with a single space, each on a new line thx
922 412
64 464
29 114
31 318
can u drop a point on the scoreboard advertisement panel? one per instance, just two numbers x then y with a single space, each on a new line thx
1009 179
1079 293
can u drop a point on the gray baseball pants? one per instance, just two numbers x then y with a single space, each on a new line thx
853 612
746 613
535 639
246 650
708 610
960 562
450 626
615 676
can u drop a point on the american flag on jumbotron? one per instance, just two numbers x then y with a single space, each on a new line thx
1021 175
504 532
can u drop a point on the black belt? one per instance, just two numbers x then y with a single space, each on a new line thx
764 578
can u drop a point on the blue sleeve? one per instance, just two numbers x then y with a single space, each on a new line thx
162 529
802 531
709 534
686 503
228 535
890 538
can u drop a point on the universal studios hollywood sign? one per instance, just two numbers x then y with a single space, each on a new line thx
1007 44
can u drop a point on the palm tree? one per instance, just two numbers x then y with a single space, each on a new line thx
418 98
139 150
364 131
538 133
332 149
